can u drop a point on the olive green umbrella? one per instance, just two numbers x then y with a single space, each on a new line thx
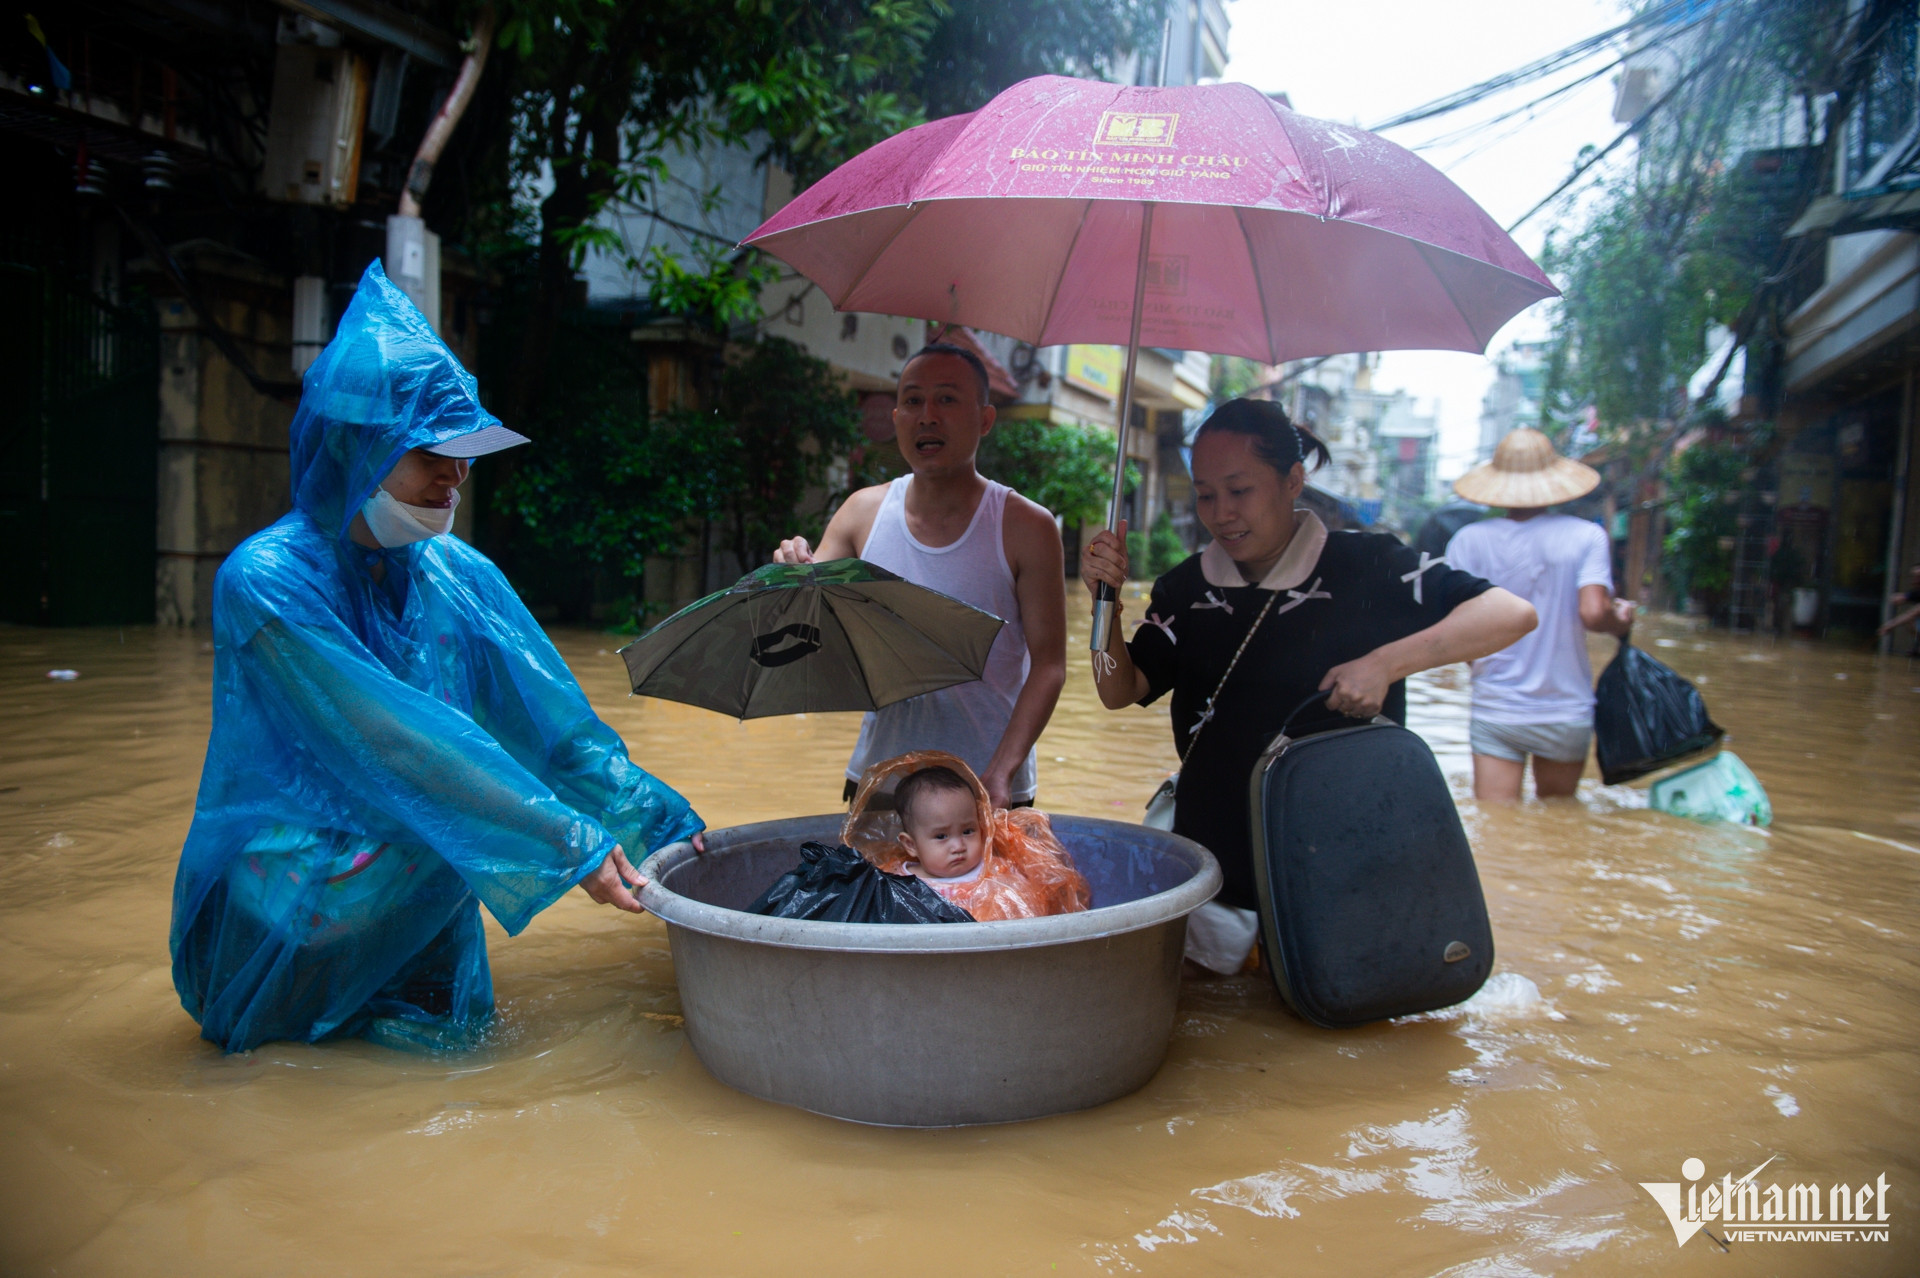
801 638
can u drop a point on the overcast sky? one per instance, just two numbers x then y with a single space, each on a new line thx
1362 61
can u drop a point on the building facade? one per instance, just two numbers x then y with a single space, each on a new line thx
196 187
1845 372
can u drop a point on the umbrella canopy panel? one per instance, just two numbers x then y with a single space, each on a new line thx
812 639
1276 236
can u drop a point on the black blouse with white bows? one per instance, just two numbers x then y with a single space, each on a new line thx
1360 591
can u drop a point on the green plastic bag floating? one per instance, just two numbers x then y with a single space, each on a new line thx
1721 789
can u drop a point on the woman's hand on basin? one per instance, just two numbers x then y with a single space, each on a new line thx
700 841
614 883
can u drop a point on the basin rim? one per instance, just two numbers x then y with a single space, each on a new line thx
922 938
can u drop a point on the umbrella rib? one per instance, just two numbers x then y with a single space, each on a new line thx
1053 298
1325 189
853 649
913 212
1259 290
1421 246
682 642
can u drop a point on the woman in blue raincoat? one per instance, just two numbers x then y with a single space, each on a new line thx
395 741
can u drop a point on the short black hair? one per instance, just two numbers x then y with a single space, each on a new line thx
948 348
918 783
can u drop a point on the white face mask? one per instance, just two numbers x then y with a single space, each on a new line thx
395 524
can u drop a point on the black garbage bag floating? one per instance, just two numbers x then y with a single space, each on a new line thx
1645 716
835 884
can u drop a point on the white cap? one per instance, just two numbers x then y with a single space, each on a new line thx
490 439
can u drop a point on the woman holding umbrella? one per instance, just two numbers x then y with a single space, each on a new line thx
1274 610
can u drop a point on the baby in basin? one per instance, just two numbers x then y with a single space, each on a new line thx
927 815
940 829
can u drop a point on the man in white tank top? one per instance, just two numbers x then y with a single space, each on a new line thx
950 529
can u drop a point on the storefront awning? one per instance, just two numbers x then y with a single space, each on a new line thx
1842 215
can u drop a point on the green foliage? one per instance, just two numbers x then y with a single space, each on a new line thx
1686 235
979 47
605 484
844 79
1153 555
787 417
1639 292
1703 486
1067 468
721 293
601 93
1235 375
582 110
604 89
611 484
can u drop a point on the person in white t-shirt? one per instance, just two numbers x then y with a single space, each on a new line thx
1535 697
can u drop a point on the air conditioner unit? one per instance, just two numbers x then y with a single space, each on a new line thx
313 130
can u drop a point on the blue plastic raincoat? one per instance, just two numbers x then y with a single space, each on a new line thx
385 758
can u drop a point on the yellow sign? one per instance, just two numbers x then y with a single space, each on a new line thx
1095 368
1806 480
1135 128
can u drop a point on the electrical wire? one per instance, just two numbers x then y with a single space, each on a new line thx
1544 66
1467 131
1581 169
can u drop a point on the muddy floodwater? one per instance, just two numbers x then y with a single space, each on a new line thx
1664 991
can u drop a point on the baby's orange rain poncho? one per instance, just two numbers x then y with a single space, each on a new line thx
1025 874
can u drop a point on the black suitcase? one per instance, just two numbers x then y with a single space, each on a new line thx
1369 903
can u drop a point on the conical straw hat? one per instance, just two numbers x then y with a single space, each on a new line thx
1525 472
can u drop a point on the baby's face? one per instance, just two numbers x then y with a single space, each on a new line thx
944 833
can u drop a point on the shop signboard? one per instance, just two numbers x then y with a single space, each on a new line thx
1096 369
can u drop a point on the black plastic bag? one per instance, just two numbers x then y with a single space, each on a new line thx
838 885
1645 716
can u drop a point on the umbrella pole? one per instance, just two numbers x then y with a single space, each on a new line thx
1106 596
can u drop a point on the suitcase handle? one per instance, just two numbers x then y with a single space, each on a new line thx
1321 696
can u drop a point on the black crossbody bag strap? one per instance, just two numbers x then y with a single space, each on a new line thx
1272 598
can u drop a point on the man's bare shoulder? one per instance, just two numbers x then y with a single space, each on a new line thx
1027 527
847 531
1029 516
865 499
857 512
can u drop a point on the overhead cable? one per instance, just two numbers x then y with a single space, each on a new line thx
1467 131
1581 169
1543 66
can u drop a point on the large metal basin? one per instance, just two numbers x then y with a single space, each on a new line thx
931 1025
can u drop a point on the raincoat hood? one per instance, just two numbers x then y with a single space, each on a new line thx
386 383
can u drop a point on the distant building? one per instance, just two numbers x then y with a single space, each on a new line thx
1407 441
1333 397
1513 399
194 188
712 198
1849 368
1825 522
1197 44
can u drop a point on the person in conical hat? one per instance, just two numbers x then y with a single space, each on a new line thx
1534 698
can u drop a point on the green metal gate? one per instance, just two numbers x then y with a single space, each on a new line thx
79 429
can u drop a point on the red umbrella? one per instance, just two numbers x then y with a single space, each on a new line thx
1195 218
